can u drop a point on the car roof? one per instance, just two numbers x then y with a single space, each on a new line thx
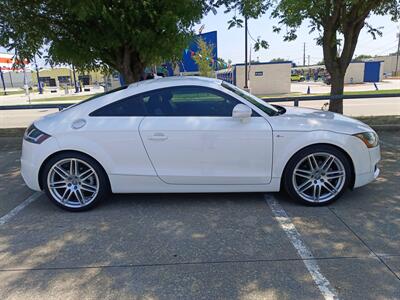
175 80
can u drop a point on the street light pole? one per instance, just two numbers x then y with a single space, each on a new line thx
2 80
397 56
245 53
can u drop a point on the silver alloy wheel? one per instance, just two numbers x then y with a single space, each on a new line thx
73 182
319 177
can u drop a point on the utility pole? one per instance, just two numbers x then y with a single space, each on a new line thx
308 60
304 55
12 85
245 53
397 55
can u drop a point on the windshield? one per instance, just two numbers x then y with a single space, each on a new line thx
265 107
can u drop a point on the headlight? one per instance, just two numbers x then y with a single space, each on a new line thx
34 135
370 139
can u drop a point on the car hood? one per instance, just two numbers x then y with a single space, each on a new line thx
307 119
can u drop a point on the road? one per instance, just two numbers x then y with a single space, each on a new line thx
201 246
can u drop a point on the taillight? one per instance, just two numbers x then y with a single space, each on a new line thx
34 135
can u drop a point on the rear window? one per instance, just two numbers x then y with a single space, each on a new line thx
98 96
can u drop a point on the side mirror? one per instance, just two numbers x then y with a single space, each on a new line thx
241 112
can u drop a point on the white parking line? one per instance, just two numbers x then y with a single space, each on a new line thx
12 213
294 236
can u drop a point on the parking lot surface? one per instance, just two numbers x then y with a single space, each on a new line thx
202 246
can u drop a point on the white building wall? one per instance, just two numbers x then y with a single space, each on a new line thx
355 73
381 71
266 79
14 79
389 63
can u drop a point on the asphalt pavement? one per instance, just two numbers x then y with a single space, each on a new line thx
202 246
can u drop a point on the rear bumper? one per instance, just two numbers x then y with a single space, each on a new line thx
32 158
365 178
30 175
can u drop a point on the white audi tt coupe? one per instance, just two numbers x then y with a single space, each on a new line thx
193 134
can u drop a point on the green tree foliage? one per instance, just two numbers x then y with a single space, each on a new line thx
278 59
204 58
251 9
362 57
338 22
122 35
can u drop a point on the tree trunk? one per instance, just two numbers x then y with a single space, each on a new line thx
130 66
337 87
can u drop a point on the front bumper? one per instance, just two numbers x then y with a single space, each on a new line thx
374 158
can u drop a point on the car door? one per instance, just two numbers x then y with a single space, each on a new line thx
191 138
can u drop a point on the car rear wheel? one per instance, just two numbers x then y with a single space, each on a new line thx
74 181
317 175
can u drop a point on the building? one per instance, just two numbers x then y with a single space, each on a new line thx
265 78
12 76
63 76
389 64
365 71
357 72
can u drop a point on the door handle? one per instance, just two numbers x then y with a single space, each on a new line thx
158 137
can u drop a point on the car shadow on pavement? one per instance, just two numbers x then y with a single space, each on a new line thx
168 246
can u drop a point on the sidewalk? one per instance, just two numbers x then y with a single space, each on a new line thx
322 88
20 99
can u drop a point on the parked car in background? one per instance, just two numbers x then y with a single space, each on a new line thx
297 77
194 134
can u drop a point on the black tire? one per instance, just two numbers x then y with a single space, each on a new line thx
103 183
288 178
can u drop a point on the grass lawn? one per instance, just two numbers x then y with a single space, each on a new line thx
19 92
380 120
62 98
294 94
395 91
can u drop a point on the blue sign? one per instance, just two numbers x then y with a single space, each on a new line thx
188 64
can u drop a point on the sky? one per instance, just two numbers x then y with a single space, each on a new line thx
231 42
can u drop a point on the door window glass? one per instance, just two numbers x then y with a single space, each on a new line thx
189 101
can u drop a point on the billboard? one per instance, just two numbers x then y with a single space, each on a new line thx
187 64
7 63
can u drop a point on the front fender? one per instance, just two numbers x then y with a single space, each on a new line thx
288 143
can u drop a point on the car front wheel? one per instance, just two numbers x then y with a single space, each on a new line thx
317 175
74 181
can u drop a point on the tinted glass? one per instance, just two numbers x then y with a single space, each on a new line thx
189 101
128 107
97 96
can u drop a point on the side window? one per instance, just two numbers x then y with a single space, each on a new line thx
189 101
128 107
